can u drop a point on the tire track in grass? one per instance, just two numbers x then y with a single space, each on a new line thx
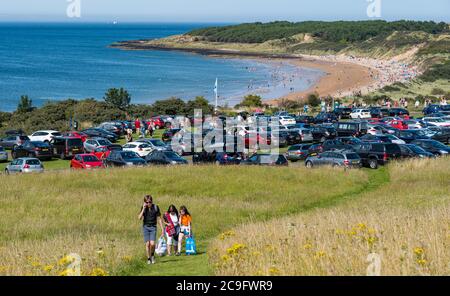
198 265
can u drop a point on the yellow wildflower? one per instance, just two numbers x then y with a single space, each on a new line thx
98 272
48 268
419 251
236 248
307 246
66 260
422 262
67 272
320 254
274 271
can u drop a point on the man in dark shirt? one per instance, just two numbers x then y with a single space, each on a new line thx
150 213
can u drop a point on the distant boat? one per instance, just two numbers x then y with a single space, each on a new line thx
115 22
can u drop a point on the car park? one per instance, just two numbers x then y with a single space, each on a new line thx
433 146
337 158
24 165
44 136
119 158
91 144
33 149
165 158
86 161
3 154
11 141
66 147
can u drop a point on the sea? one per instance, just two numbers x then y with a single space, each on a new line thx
57 61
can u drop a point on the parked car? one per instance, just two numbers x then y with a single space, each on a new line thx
437 121
102 152
413 124
159 123
375 154
24 165
342 112
164 158
100 133
91 144
335 144
433 146
142 149
360 114
113 127
33 149
67 147
324 117
398 112
351 129
266 159
298 152
431 109
287 120
378 112
75 134
11 141
44 136
119 158
441 134
86 161
398 124
414 151
410 135
322 133
381 139
315 149
338 158
155 144
304 119
305 134
3 154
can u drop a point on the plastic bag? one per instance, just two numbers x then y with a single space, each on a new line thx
161 247
191 248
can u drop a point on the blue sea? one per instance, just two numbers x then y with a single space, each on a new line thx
55 61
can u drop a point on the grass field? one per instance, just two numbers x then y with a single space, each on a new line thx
406 223
94 214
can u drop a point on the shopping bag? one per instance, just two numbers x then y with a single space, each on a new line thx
191 248
161 248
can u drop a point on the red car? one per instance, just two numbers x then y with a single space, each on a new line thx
158 122
398 124
102 152
86 161
251 139
78 135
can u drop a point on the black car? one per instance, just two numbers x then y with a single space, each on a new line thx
98 132
335 144
397 112
433 146
414 151
298 152
325 117
343 112
304 119
441 134
378 112
351 128
65 147
165 158
116 128
266 159
375 154
292 136
323 133
34 149
11 141
410 135
119 158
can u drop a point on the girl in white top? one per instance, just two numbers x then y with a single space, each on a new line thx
172 218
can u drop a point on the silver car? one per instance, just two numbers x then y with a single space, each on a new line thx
3 154
335 158
25 165
155 144
91 144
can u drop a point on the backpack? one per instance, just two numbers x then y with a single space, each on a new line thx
191 248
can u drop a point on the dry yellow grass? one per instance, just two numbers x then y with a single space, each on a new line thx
406 224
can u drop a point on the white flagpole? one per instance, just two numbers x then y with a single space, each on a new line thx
215 92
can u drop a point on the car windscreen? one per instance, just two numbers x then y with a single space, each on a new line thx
33 162
416 149
172 155
75 143
90 158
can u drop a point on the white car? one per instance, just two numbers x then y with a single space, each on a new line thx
142 149
437 121
413 124
287 120
360 114
44 136
375 130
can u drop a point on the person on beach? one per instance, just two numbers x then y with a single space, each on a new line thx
149 215
172 222
185 227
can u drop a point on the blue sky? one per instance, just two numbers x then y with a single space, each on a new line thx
221 11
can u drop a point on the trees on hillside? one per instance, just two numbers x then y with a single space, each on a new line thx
119 98
25 105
